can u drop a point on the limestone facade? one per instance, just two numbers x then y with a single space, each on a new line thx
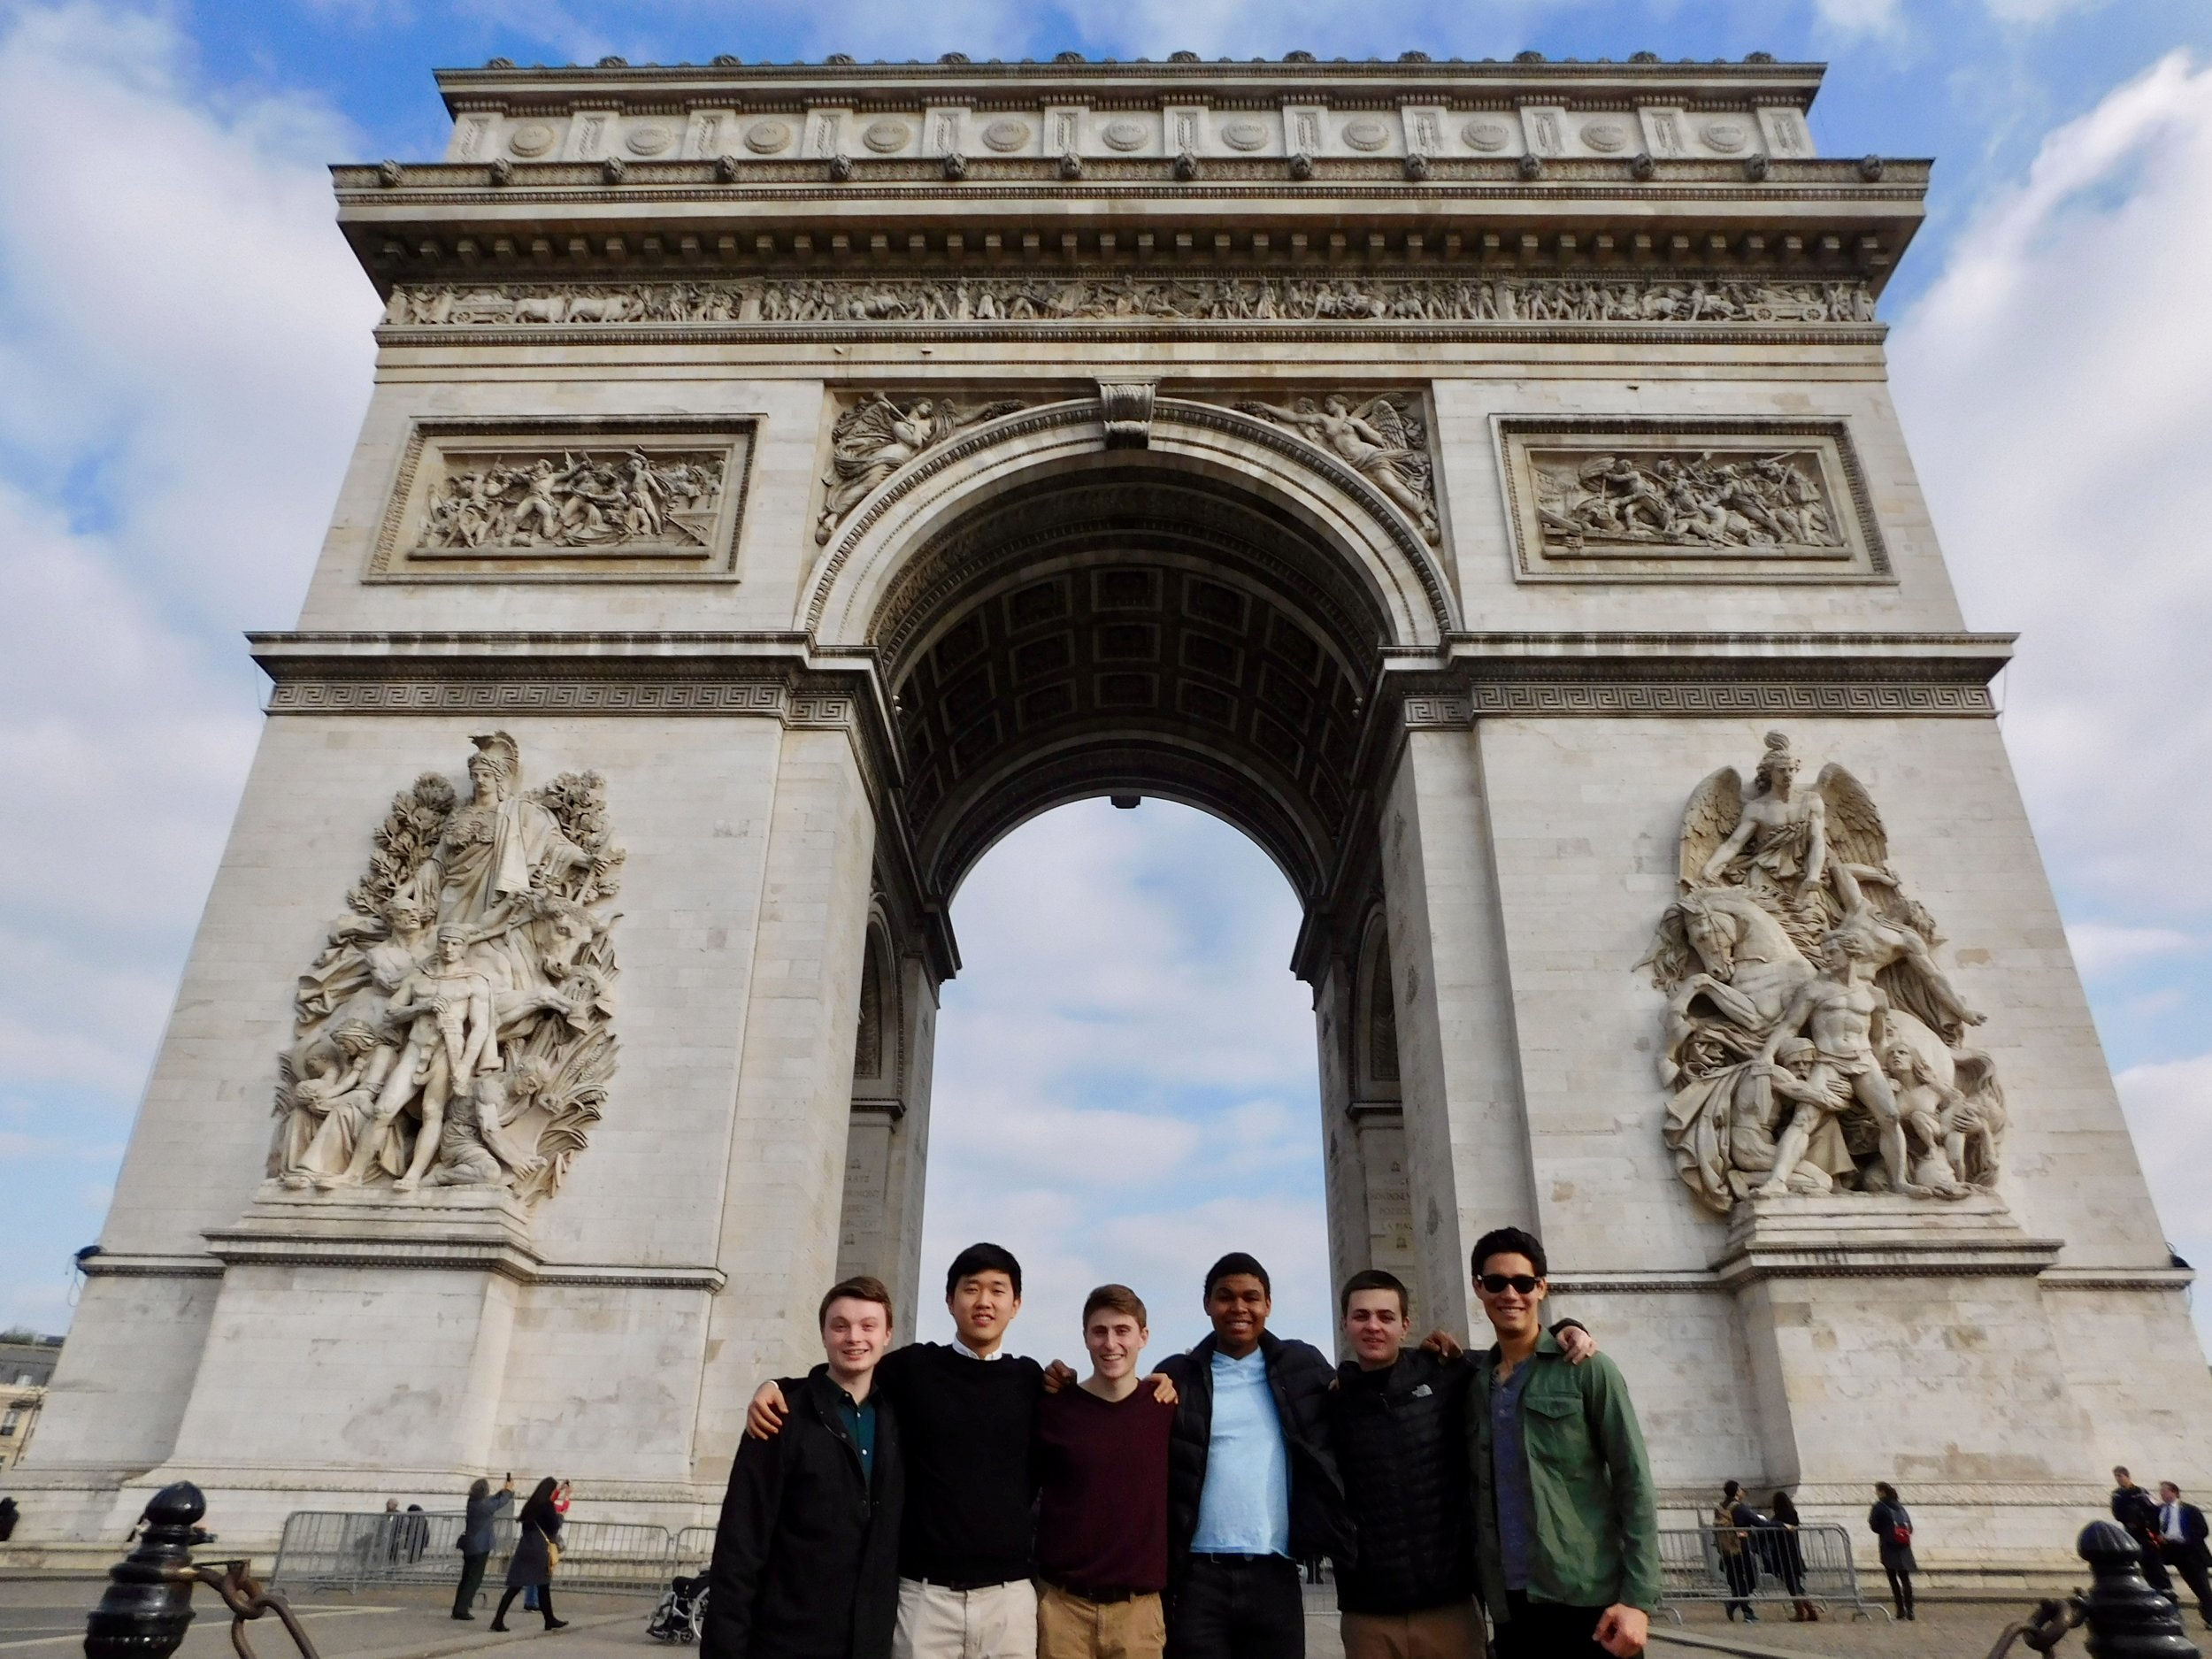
1434 469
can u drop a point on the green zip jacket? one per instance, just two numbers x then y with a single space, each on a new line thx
1597 1518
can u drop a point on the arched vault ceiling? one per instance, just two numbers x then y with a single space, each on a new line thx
1129 632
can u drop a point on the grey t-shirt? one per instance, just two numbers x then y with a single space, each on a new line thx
1508 1478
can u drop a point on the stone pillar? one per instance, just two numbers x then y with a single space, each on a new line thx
781 1203
1465 1128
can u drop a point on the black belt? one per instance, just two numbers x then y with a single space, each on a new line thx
1223 1559
966 1586
1105 1596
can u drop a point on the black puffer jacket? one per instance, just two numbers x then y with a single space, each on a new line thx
1299 1375
1405 1481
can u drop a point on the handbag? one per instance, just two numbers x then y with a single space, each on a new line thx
552 1555
1900 1534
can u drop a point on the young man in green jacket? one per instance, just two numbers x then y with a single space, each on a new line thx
1566 1525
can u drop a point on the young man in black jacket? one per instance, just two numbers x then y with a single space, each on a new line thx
806 1557
1252 1487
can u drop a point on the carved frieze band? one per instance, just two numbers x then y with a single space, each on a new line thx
1262 300
1699 698
556 696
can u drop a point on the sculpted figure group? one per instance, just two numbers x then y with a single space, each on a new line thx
1384 440
1812 1042
876 437
577 501
1116 297
1769 500
455 1031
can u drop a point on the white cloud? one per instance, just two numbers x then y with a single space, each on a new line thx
184 338
2170 1108
2102 948
2056 381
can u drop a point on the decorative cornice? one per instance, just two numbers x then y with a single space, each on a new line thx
149 1265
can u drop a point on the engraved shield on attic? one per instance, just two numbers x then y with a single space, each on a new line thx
456 1029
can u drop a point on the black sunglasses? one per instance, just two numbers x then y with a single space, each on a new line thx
1496 1283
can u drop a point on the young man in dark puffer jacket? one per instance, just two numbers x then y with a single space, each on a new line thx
1398 1422
1252 1487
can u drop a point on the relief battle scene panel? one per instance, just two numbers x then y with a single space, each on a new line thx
1669 501
565 500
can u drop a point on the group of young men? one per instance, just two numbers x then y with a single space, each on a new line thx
953 1502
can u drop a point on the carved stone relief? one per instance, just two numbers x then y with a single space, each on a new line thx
1384 440
1116 297
565 498
456 1029
1675 500
876 437
1811 1042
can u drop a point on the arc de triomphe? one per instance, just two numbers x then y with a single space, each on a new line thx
1477 482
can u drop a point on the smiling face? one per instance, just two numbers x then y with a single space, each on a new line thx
1115 1338
854 1334
1239 1305
1512 1312
1375 1325
982 1306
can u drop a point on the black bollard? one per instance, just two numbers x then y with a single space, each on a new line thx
2127 1620
149 1598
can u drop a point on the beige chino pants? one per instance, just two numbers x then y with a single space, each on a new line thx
1069 1627
1436 1632
999 1622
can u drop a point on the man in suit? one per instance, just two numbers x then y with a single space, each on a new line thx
2132 1508
2181 1529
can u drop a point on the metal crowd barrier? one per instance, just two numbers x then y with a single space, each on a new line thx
694 1548
1694 1568
330 1549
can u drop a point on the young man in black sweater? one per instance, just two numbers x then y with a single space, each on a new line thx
967 1411
806 1558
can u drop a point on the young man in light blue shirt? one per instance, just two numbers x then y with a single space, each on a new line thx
1252 1485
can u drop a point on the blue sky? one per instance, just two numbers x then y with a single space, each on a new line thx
184 348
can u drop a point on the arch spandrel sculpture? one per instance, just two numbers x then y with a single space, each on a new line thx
1436 506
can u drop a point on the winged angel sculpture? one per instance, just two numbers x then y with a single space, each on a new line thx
1383 440
456 1029
875 438
1812 1043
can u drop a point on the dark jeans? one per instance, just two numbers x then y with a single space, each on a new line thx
545 1604
2154 1567
471 1581
1741 1570
1899 1589
1238 1607
1544 1630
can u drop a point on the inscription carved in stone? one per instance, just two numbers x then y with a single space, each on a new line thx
876 437
1811 1042
456 1029
1130 298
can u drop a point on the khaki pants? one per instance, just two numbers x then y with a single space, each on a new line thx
999 1622
1435 1632
1069 1627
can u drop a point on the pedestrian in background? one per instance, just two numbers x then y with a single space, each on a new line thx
1733 1520
484 1507
1892 1530
2181 1525
537 1551
2132 1508
1789 1557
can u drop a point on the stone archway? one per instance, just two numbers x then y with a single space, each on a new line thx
1205 620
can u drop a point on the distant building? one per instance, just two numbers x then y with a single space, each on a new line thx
27 1361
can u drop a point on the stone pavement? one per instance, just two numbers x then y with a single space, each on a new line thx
44 1619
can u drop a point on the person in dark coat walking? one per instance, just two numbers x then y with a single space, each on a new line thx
806 1556
485 1507
1891 1526
1735 1534
2132 1508
1788 1556
2181 1529
1253 1485
532 1567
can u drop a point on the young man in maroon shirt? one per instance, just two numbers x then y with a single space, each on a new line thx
1101 1514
